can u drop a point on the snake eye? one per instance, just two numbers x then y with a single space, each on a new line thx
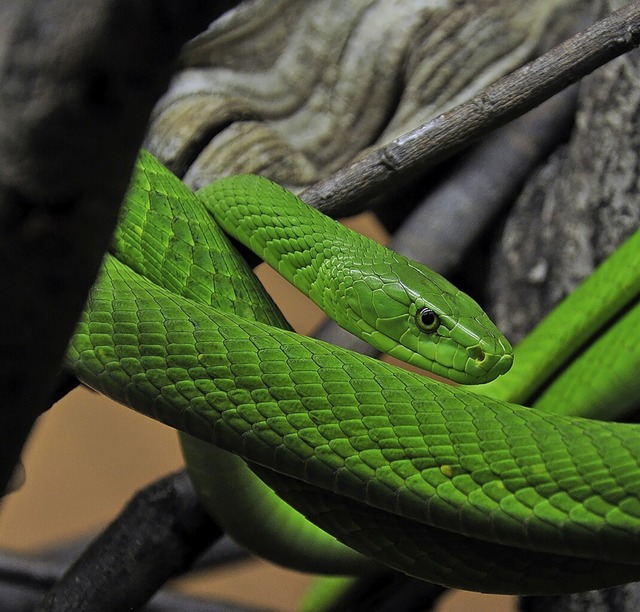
427 320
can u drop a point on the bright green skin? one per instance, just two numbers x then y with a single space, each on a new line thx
582 389
444 484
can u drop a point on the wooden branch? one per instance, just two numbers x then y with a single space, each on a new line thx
349 190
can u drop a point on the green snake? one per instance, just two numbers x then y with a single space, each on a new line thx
452 485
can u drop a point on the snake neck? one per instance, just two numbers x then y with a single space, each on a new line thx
325 270
298 242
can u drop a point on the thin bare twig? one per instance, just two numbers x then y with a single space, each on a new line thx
463 204
349 190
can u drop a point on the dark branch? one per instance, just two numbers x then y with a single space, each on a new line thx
25 580
79 80
158 536
222 553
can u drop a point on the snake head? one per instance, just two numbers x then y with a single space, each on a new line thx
409 312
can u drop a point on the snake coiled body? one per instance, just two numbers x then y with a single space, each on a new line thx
437 481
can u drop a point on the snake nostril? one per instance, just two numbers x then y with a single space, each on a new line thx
476 353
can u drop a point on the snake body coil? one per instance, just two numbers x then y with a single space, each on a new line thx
436 481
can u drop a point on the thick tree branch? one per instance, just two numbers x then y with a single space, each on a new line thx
79 80
24 581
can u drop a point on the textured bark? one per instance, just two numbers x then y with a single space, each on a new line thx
625 598
295 90
578 207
